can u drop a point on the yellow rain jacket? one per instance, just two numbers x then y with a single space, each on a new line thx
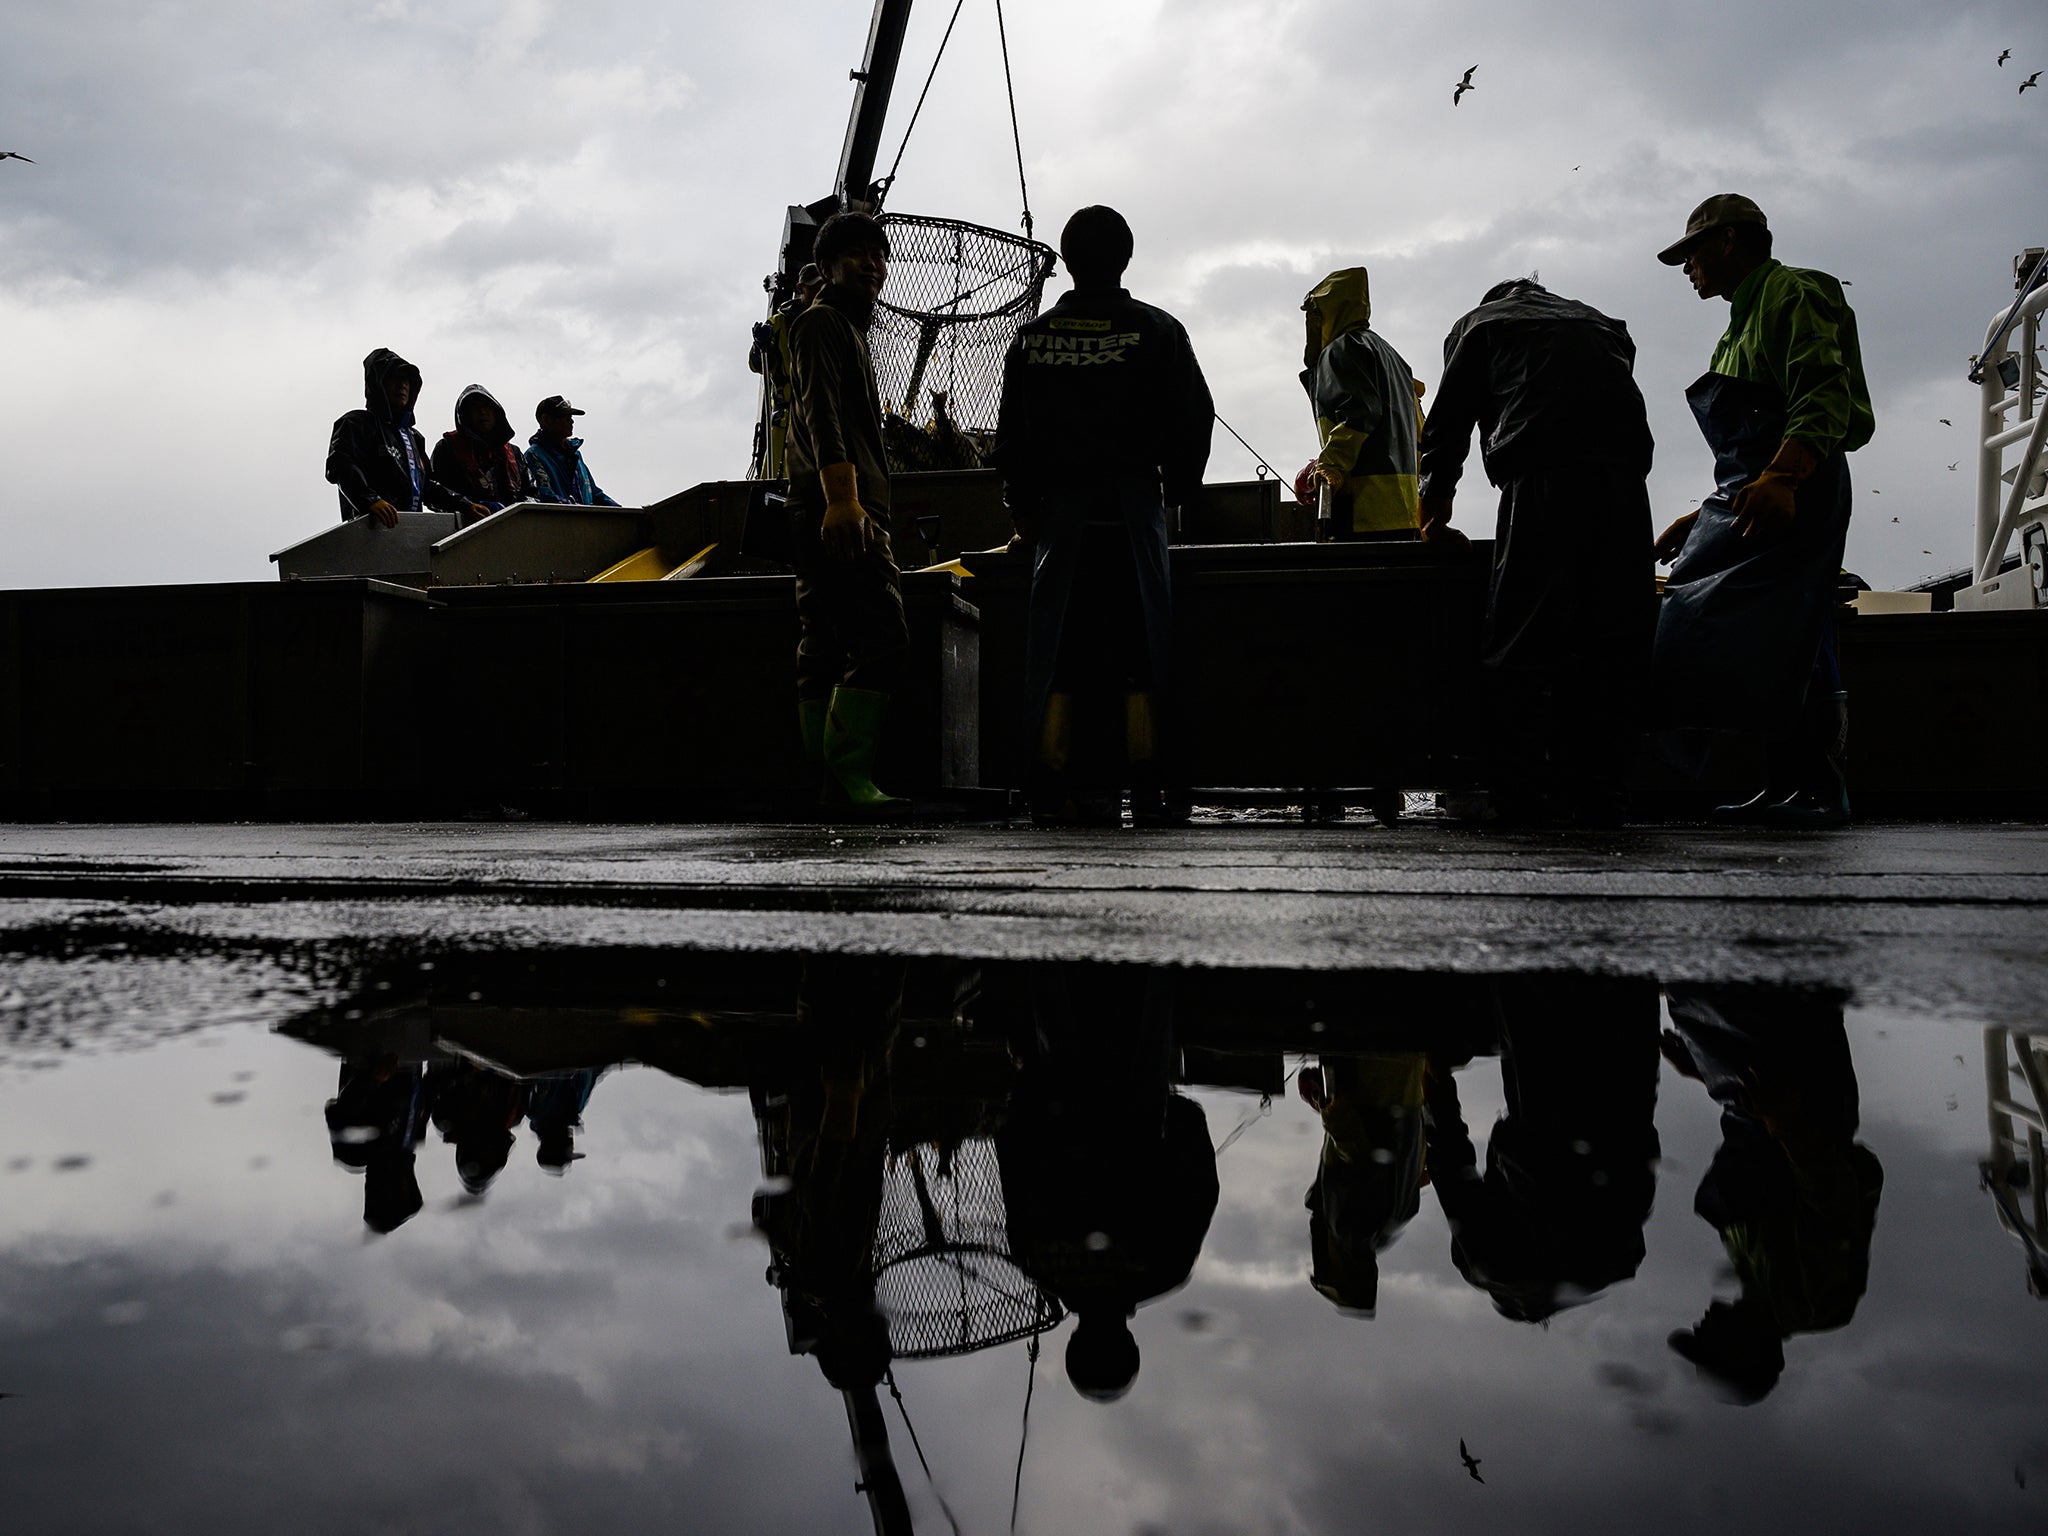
1365 402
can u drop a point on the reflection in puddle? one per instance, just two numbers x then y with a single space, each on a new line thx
1301 1230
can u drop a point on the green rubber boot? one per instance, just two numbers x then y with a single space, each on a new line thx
853 737
810 724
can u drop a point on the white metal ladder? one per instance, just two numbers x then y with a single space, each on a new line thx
2008 374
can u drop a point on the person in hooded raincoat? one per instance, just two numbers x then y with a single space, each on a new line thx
1368 1183
377 459
1745 633
1367 415
1572 609
1105 422
477 457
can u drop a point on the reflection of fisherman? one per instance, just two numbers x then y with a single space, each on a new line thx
1105 423
1364 396
555 1114
1369 1183
375 1121
1557 1215
769 357
1745 636
825 1134
1572 608
829 1138
1792 1193
1109 1179
476 1110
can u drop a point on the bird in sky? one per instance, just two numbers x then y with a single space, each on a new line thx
2026 84
1895 519
1471 1462
1926 551
1952 467
8 154
1944 421
1466 84
2003 57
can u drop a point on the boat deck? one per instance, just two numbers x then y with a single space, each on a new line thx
1914 915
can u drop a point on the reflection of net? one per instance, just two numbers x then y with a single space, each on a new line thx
955 297
944 1277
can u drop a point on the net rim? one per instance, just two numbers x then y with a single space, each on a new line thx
1031 282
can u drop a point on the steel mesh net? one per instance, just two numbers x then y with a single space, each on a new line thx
944 1278
955 297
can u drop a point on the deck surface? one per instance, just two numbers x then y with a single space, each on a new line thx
1947 917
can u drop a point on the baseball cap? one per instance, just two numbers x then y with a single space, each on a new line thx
1722 208
556 404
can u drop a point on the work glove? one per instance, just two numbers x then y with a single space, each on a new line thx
1672 539
1305 484
845 531
1436 516
1769 502
384 512
1330 475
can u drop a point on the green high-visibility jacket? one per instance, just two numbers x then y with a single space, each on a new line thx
1363 392
1791 330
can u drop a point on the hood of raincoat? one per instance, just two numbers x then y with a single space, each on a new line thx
1341 302
502 432
379 366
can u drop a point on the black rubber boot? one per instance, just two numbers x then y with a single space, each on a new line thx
1822 799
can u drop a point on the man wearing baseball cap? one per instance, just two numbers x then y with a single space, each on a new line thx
556 457
1744 637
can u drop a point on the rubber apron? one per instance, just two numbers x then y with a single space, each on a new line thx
1742 618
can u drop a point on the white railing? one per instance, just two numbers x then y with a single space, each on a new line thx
2016 1172
2014 333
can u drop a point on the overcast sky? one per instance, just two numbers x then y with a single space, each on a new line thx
234 201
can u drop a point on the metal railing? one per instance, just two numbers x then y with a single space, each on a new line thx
2008 375
2016 1172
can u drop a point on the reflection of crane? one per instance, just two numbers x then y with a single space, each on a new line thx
2016 1172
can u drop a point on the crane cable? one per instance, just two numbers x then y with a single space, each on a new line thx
1016 138
889 180
1009 90
889 1376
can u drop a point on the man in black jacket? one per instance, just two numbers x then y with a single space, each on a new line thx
849 598
1572 612
1105 423
378 460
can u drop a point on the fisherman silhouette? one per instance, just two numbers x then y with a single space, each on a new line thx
1369 1178
1557 1214
1109 1177
475 1109
374 1123
555 1115
1792 1193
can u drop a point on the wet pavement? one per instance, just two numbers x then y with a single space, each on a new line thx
545 1178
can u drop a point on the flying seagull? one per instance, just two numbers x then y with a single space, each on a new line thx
1895 519
1465 85
8 154
2033 79
1471 1461
1944 421
2003 57
1952 466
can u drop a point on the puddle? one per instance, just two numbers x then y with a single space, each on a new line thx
772 1243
